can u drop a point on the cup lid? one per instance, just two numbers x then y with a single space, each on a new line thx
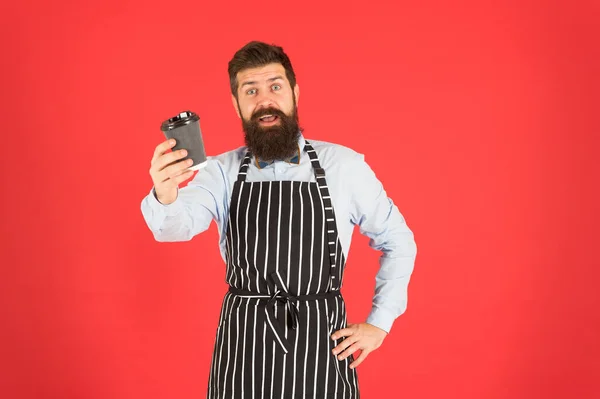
181 119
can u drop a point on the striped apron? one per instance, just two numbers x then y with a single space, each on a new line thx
284 269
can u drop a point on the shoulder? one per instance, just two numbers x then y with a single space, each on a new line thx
332 155
344 165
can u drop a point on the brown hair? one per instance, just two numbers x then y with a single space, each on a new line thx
256 54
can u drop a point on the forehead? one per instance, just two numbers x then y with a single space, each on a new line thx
261 74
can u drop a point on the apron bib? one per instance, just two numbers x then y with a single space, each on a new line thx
284 269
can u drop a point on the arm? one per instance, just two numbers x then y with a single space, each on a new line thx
379 219
201 201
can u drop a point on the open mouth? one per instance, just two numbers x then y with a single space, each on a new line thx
268 119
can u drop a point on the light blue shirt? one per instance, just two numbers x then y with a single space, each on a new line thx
358 198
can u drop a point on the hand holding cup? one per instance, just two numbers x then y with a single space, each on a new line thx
184 137
168 170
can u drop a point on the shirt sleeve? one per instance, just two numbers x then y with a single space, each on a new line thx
379 219
197 204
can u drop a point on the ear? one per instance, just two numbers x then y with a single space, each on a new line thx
297 93
235 106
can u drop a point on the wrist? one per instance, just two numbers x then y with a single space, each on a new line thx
165 200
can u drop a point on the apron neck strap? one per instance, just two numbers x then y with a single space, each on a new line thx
244 167
314 160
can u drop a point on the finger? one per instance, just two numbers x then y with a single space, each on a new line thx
174 170
359 360
166 159
179 176
182 177
344 332
344 344
161 149
350 350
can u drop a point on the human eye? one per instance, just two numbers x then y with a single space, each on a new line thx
251 92
276 87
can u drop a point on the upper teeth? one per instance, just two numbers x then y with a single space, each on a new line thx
265 116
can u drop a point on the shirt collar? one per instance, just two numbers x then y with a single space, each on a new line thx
294 159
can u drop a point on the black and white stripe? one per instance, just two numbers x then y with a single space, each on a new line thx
284 268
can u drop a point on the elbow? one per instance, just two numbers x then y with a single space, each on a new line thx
180 236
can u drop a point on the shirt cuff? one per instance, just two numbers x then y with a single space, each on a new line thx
381 318
171 209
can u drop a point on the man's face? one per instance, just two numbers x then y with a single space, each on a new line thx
267 106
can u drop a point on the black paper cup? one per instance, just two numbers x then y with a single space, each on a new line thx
185 129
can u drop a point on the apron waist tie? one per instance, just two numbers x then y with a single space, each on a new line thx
290 301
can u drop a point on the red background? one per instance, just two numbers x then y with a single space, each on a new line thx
480 120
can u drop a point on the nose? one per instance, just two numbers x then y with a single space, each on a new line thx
264 100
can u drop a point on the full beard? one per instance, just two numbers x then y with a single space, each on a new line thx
278 141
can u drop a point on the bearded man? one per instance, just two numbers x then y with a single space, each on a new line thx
285 207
